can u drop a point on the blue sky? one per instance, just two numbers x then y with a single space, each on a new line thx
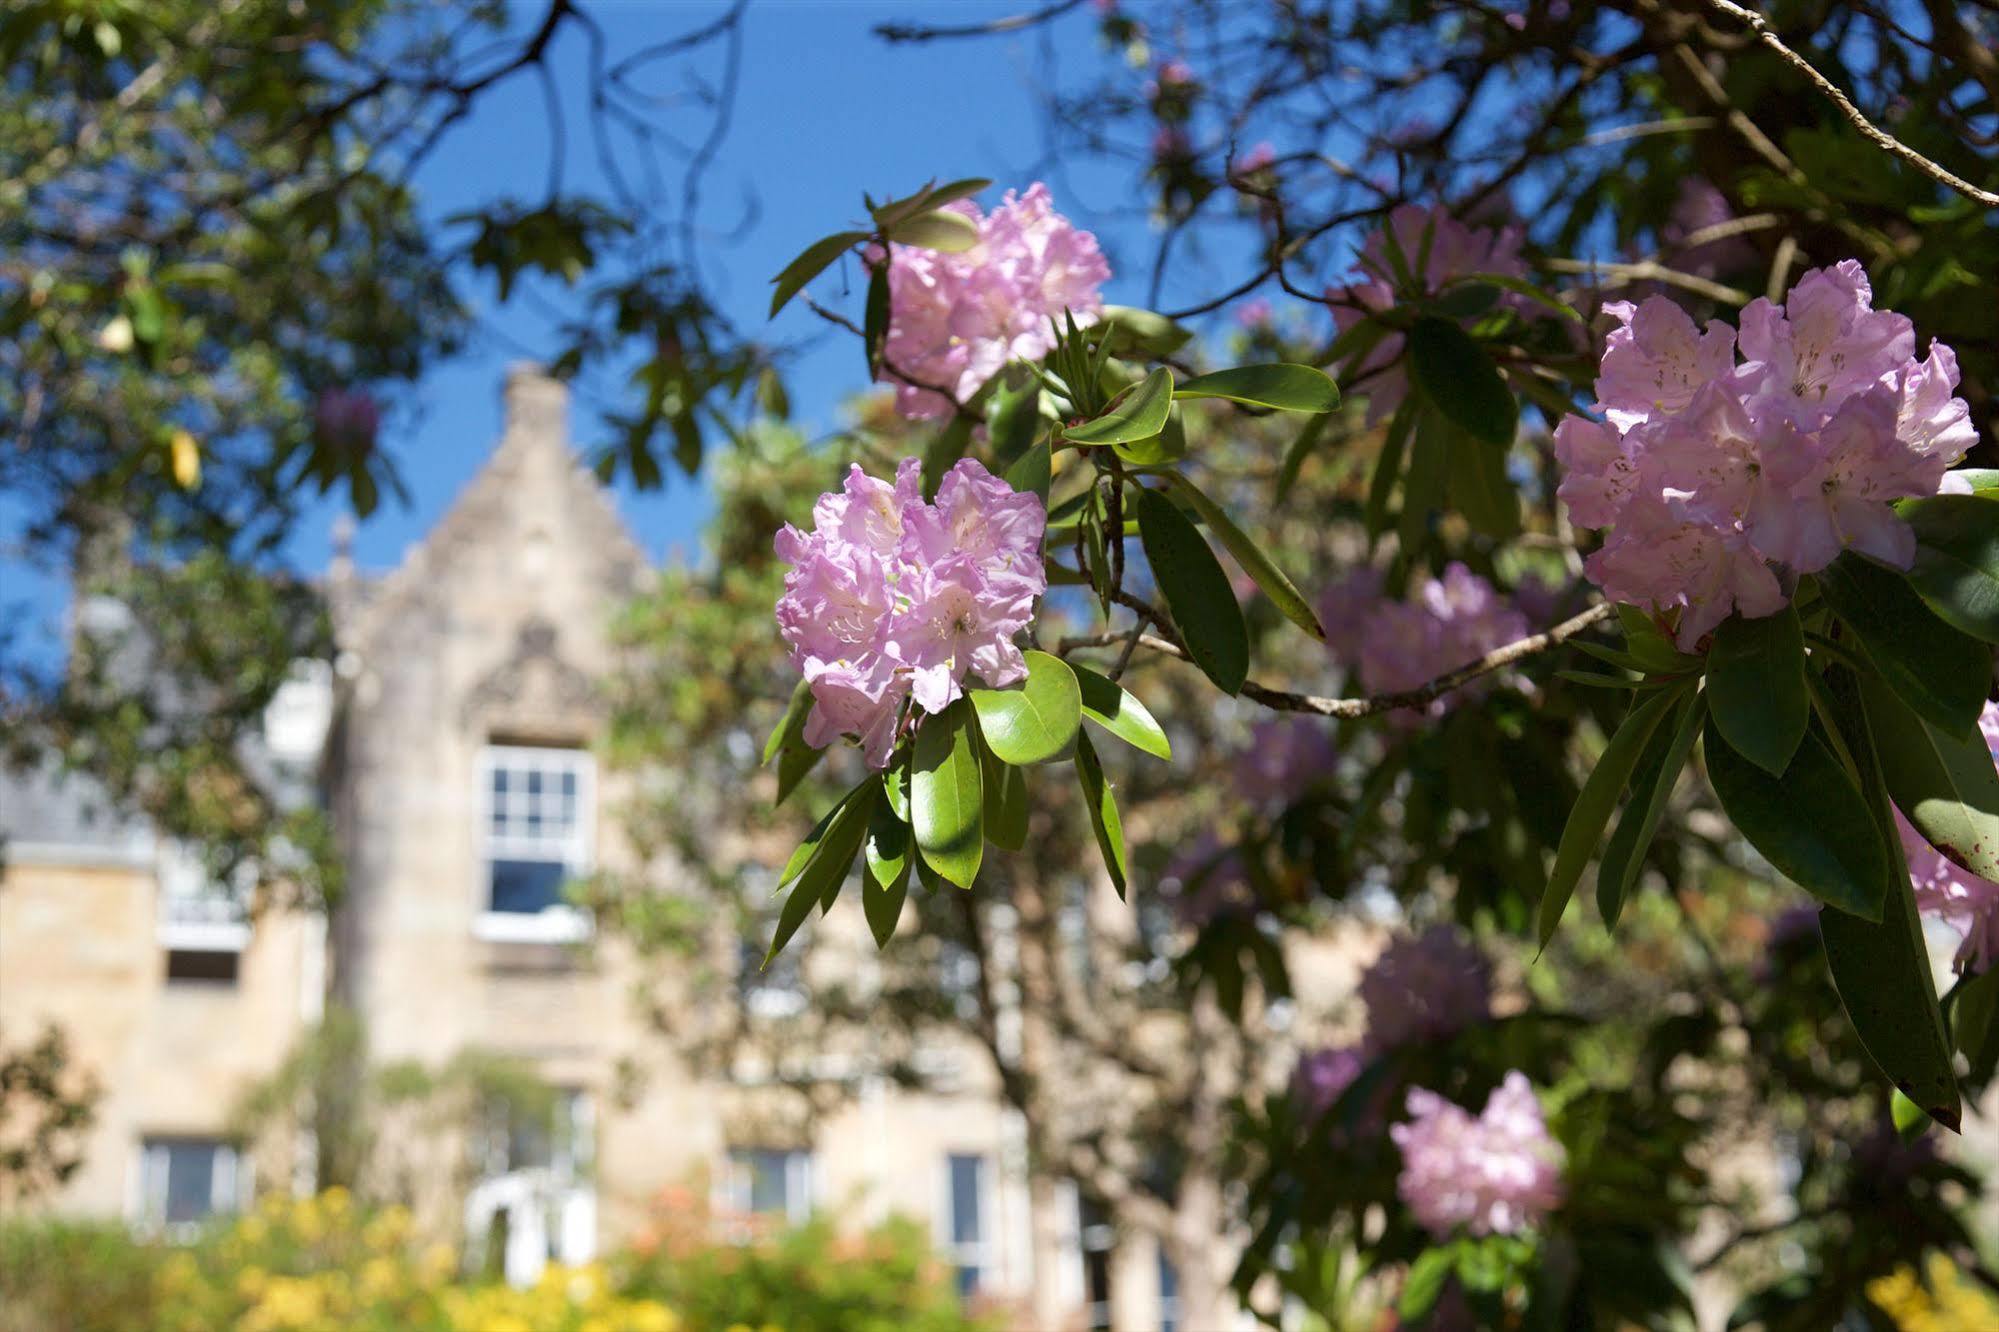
826 110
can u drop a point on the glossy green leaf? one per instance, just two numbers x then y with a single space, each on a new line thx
1975 1024
881 902
1138 414
1939 672
802 855
794 764
1956 570
1033 721
1945 784
1112 707
1276 585
1478 485
932 195
1812 823
1102 808
946 802
887 845
945 448
1649 644
810 264
939 229
1756 687
824 872
1651 787
1197 591
1457 376
1005 794
1594 804
791 725
1168 446
1142 331
1287 388
874 329
1882 970
1032 473
1013 416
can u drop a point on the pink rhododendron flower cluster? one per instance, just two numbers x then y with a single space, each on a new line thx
891 599
956 319
1455 250
1425 987
1322 1075
1446 623
1709 471
1945 890
1284 756
1498 1174
346 419
1207 879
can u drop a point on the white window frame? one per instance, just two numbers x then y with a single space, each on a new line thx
560 923
738 1187
978 1254
228 1183
196 914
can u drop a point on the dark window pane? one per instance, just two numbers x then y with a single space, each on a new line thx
527 886
534 782
569 785
190 1180
968 1281
964 1200
202 964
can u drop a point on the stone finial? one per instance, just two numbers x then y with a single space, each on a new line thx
536 403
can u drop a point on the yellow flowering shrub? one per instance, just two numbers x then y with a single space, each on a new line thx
1942 1300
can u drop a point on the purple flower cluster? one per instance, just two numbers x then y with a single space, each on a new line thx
890 598
1322 1075
1425 987
956 319
1497 1174
346 420
1708 471
1455 250
1284 756
1446 623
1945 890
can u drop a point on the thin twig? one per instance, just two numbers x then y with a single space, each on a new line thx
1879 137
1168 642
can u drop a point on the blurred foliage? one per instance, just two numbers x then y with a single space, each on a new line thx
47 1107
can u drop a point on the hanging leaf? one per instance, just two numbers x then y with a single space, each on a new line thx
945 797
1956 570
1013 417
1812 823
887 843
802 855
1387 471
1882 970
1945 784
1456 376
945 448
1939 672
1756 687
1005 793
1102 807
1301 448
1283 593
881 902
1113 708
874 331
1032 721
1478 486
1031 473
1139 413
1595 802
810 264
791 725
1197 591
824 871
1287 388
1624 857
1423 489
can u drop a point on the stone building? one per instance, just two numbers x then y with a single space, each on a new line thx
451 740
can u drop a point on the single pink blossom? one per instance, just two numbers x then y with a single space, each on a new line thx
956 319
1497 1174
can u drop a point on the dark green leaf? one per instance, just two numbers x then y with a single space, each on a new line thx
791 724
1648 643
875 330
945 448
1478 486
1594 804
1006 803
887 843
825 869
1031 472
1956 570
1423 488
1455 374
882 902
1283 593
1289 388
1138 414
811 264
1033 721
1102 807
1882 970
945 798
1946 784
1975 1019
1812 823
1651 788
1756 687
1114 709
1168 446
1142 331
1939 672
1013 418
1424 1285
1197 591
1387 471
